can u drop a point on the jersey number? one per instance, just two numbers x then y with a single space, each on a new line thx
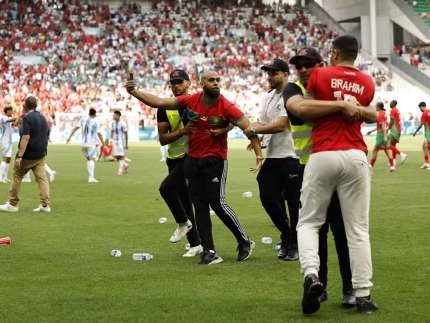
346 97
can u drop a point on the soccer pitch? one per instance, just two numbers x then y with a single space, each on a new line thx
59 269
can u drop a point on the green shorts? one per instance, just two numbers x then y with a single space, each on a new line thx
380 144
395 134
108 159
426 143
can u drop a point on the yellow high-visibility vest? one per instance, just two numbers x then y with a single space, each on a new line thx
302 136
179 148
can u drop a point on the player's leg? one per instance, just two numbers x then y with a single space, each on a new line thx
4 168
15 187
323 254
52 173
320 179
214 172
426 155
337 226
271 180
394 142
354 196
39 172
389 154
90 154
374 155
197 190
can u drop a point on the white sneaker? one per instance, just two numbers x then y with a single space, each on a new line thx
403 157
2 180
162 159
92 180
194 251
7 180
42 208
8 208
424 166
181 232
52 176
24 180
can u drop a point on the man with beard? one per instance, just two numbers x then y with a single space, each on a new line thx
205 167
279 172
305 62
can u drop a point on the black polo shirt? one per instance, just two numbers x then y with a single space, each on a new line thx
34 125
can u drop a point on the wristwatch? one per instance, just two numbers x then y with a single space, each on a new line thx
252 131
18 156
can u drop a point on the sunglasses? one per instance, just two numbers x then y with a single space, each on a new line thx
307 65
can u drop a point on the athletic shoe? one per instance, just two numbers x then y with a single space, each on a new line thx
293 252
245 249
52 176
424 166
283 251
118 173
181 232
24 180
162 159
366 305
92 180
391 170
312 290
126 168
42 208
7 180
2 180
194 251
403 157
324 296
349 299
210 258
8 208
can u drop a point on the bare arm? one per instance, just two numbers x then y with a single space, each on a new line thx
312 109
418 129
14 119
255 142
369 132
272 128
71 135
369 115
126 139
111 134
23 144
151 100
384 130
102 142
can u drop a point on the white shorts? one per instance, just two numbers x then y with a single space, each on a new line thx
89 152
118 149
6 150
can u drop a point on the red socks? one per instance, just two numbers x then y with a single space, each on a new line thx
391 161
372 162
395 151
426 158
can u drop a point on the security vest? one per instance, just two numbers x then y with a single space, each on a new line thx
178 148
302 136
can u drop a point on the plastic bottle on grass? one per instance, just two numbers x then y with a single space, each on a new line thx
266 240
247 194
162 220
142 256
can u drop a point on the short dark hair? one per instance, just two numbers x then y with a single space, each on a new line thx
92 112
394 102
7 108
347 46
380 105
422 104
117 112
31 102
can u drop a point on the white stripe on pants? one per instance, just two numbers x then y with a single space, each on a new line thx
347 172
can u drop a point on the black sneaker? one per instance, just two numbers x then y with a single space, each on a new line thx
283 251
293 252
312 290
366 305
245 250
348 299
324 296
210 258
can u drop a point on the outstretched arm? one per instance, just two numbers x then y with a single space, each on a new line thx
368 133
71 135
418 129
151 100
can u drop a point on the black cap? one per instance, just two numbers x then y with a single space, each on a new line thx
310 53
179 75
277 65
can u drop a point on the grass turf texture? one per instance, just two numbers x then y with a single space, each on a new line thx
59 269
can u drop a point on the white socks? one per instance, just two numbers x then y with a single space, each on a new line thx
3 172
121 165
48 170
163 152
127 159
91 164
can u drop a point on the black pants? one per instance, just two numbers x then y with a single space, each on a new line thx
175 193
206 184
335 221
278 177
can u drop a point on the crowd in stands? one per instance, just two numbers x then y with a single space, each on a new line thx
88 51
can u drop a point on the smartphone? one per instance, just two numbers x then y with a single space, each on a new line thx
131 76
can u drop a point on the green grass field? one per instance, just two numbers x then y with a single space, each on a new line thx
59 269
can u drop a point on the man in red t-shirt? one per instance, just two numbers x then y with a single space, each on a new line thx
338 162
205 167
395 131
425 122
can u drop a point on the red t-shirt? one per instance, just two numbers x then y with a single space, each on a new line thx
107 151
341 82
382 117
425 118
396 115
217 116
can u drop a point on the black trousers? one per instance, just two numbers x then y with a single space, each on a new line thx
206 184
174 191
335 222
277 181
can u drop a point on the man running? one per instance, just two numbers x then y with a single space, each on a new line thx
206 165
382 142
305 62
279 172
337 162
395 132
425 122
